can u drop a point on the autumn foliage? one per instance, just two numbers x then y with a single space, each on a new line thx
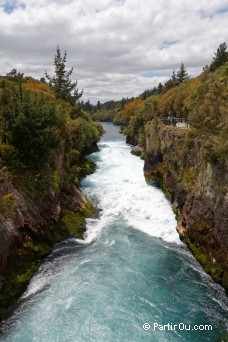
131 108
40 87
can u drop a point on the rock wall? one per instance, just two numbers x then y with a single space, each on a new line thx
198 191
28 236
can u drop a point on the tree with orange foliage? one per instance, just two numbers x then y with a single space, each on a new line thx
39 86
166 102
131 107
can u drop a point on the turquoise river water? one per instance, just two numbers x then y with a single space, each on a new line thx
131 269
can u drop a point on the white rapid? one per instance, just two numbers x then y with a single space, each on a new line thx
119 188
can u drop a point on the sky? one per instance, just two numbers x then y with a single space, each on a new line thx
118 48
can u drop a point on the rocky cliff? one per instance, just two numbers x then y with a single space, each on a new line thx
29 228
198 190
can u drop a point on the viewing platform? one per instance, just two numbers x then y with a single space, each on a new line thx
176 121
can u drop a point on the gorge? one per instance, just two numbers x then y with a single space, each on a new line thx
198 191
130 269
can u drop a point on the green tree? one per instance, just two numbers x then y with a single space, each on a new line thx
15 76
64 88
88 106
220 58
182 74
174 78
160 88
123 102
30 124
98 105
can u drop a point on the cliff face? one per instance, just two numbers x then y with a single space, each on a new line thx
28 233
198 191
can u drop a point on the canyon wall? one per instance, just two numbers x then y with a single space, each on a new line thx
29 228
197 189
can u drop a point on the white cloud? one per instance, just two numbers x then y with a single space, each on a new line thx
112 43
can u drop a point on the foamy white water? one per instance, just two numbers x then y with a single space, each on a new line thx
121 192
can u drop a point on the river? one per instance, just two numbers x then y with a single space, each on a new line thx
131 269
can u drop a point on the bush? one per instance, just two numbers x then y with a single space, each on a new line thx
7 206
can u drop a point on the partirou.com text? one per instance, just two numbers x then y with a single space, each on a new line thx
179 326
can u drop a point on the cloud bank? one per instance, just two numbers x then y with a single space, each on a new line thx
118 48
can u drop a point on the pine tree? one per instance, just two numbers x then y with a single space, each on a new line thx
205 68
182 74
168 85
172 82
174 79
87 106
64 88
98 105
220 58
160 88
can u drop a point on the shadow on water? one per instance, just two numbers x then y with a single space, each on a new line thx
66 247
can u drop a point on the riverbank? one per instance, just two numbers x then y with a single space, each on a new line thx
198 191
30 233
44 138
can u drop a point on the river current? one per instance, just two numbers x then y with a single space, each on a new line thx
131 269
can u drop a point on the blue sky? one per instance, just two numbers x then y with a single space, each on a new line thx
10 6
222 10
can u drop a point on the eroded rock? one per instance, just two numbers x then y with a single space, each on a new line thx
198 190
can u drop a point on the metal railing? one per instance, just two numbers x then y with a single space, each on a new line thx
176 121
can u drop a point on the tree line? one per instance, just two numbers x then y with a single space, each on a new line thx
202 99
42 119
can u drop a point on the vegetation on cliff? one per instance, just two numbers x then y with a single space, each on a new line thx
190 163
38 123
44 137
201 100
